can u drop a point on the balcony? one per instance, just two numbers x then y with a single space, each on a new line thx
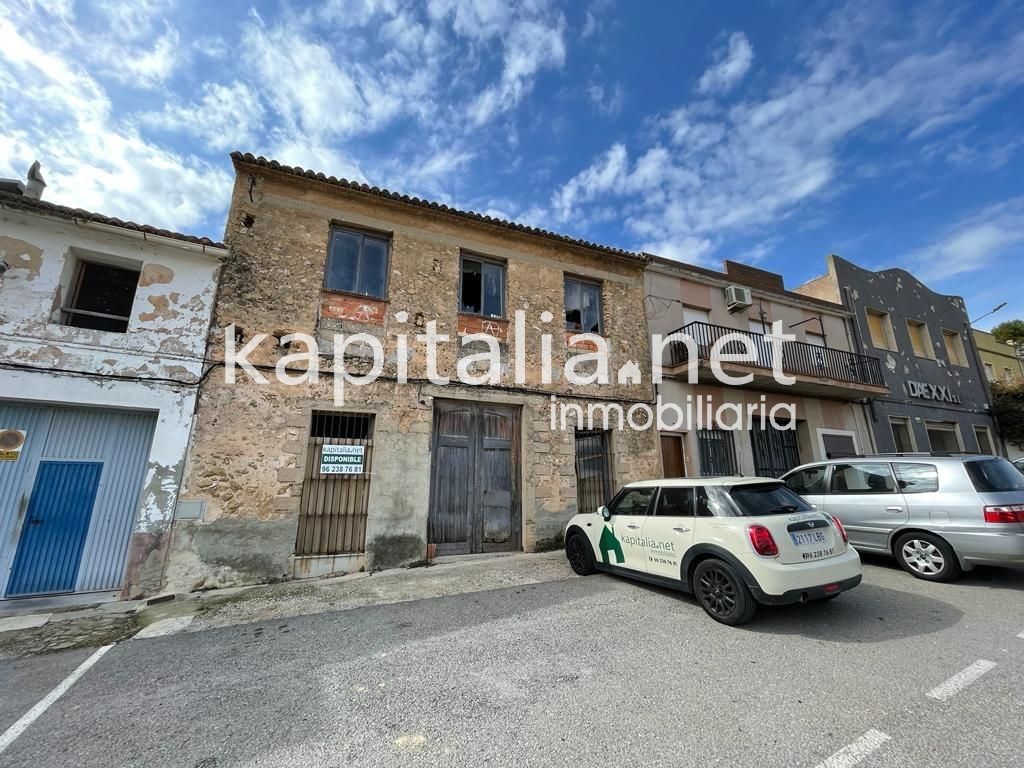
819 371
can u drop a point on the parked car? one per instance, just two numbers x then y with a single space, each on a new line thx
735 542
937 515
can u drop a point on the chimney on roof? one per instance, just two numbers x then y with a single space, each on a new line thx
36 184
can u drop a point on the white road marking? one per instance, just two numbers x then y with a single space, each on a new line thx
164 627
1021 635
30 717
960 680
856 751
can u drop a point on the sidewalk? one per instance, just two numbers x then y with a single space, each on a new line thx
47 631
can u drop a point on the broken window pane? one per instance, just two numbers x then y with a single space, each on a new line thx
482 291
582 307
471 287
102 297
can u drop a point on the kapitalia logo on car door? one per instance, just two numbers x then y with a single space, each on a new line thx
927 391
652 544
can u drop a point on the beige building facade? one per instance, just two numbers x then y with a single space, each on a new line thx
285 481
999 361
827 396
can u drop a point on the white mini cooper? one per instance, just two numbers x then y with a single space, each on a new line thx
732 541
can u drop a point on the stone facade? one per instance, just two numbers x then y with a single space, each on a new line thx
250 443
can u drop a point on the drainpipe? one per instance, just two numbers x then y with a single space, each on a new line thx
867 404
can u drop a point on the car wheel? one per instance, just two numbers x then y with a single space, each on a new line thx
722 593
927 557
581 559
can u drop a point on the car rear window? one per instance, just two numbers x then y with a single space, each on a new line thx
994 476
767 499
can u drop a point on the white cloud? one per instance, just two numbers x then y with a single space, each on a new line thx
530 46
132 19
731 64
58 114
607 99
607 172
707 169
152 66
972 244
594 18
226 117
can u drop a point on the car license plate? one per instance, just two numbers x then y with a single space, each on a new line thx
808 538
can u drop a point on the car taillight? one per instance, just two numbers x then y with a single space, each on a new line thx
762 542
839 527
1005 513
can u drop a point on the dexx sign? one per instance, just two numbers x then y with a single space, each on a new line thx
342 459
925 391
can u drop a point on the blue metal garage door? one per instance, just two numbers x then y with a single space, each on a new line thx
115 441
55 527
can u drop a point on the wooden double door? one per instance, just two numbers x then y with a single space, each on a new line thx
474 489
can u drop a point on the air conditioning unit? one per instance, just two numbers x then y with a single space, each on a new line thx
737 298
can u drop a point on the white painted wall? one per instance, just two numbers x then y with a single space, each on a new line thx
42 361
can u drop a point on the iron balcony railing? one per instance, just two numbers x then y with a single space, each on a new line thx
798 357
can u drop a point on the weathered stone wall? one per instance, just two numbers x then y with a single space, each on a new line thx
249 443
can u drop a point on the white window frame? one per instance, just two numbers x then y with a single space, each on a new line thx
909 422
988 433
926 338
887 329
821 441
944 427
961 348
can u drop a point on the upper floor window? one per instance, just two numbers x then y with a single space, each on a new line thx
357 263
919 338
990 371
582 306
101 297
954 348
693 315
482 287
881 329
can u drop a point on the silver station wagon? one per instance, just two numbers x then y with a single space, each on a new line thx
937 515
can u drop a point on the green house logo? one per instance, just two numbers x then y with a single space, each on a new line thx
608 545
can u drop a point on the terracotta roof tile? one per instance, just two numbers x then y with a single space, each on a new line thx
262 162
22 203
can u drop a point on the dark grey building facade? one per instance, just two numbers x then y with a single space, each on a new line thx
938 398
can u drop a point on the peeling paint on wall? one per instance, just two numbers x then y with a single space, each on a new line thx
22 256
155 274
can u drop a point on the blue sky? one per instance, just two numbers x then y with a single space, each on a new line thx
773 133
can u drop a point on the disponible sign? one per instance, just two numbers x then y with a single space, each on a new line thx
342 459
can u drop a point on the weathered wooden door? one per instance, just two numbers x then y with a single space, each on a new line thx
673 455
474 498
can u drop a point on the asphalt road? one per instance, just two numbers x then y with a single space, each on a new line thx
594 670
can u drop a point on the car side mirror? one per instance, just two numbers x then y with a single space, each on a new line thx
604 512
